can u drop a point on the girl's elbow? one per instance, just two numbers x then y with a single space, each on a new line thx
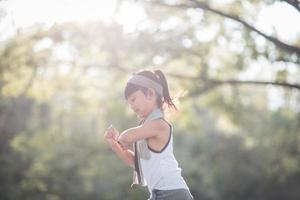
124 140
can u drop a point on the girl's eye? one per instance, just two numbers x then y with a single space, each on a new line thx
132 100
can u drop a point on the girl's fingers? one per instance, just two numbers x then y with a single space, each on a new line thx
109 132
114 144
106 134
115 133
110 141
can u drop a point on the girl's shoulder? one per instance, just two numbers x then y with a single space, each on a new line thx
158 124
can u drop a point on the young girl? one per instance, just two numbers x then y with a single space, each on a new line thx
152 155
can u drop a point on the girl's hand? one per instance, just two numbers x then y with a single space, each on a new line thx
111 133
120 141
115 146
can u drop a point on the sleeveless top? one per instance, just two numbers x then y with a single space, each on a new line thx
157 169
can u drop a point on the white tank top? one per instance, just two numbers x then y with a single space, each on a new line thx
161 171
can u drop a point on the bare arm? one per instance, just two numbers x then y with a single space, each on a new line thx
147 130
126 155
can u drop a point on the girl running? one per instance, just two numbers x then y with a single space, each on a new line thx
151 153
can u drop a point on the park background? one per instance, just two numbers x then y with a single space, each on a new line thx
233 67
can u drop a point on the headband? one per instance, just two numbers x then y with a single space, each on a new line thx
146 83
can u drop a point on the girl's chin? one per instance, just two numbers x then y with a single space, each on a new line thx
139 115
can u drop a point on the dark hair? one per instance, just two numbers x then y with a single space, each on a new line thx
158 77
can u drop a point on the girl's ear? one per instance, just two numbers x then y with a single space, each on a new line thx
150 93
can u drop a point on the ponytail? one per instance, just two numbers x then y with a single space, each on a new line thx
166 95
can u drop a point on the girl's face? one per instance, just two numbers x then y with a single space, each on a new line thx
142 104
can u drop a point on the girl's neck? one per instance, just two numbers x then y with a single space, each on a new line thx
152 110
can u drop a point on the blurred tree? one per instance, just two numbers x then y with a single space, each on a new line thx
60 87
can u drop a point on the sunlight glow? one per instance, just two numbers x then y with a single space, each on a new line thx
278 17
282 19
130 15
27 13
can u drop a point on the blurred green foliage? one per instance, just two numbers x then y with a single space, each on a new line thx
60 87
